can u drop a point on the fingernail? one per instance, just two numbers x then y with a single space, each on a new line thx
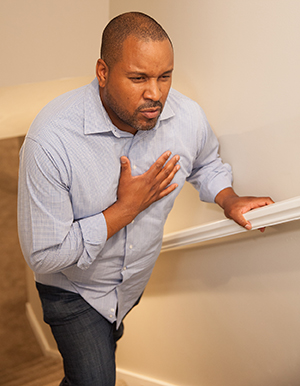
123 160
248 226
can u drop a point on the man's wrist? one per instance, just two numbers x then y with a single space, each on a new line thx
224 195
117 216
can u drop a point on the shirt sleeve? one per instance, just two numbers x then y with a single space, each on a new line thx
209 175
50 238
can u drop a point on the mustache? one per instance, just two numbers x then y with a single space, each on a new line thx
150 105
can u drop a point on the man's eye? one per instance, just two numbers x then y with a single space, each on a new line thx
137 79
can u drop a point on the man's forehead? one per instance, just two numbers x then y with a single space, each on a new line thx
133 43
139 50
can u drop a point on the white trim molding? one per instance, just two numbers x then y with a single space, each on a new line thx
134 379
278 213
39 334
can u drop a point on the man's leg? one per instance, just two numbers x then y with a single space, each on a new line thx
85 339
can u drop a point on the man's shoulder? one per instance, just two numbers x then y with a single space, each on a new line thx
176 95
64 110
64 101
180 102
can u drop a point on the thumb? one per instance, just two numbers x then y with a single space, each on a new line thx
244 223
125 165
240 220
248 226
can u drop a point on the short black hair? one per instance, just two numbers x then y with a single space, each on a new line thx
135 24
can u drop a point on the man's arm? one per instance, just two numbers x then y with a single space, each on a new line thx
235 207
51 239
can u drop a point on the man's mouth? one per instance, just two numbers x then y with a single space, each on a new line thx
150 113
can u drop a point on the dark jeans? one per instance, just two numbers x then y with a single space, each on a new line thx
85 339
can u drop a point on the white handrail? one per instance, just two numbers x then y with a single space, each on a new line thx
278 213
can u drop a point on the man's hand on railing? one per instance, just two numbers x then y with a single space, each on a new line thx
235 206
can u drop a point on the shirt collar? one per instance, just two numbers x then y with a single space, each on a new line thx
167 111
96 119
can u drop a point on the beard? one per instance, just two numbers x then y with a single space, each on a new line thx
134 120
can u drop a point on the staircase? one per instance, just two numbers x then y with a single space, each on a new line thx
43 371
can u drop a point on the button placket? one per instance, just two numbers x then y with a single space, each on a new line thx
129 248
129 243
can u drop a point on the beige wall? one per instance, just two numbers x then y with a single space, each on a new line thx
226 313
47 48
46 40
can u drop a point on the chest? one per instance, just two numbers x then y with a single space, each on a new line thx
95 169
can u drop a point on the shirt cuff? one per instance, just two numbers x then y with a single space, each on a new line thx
221 181
94 233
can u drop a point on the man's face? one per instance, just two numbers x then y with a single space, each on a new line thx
135 89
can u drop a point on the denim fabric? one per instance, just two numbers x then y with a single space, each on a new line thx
85 339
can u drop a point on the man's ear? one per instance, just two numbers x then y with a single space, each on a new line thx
101 72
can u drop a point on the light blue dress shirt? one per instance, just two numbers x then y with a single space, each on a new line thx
69 173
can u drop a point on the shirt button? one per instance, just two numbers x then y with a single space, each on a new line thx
112 310
110 316
130 246
132 221
124 268
134 167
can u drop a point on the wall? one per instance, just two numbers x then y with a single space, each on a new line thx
47 48
47 40
226 312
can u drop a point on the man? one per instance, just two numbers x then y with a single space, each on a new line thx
100 169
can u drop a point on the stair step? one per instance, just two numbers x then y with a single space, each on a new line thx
33 373
43 371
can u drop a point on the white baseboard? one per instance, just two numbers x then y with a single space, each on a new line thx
39 334
134 379
129 377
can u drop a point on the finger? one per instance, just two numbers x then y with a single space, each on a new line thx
169 170
169 166
158 165
167 191
125 166
269 201
248 226
257 202
243 222
168 175
240 219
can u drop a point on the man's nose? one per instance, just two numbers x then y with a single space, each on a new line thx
152 90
